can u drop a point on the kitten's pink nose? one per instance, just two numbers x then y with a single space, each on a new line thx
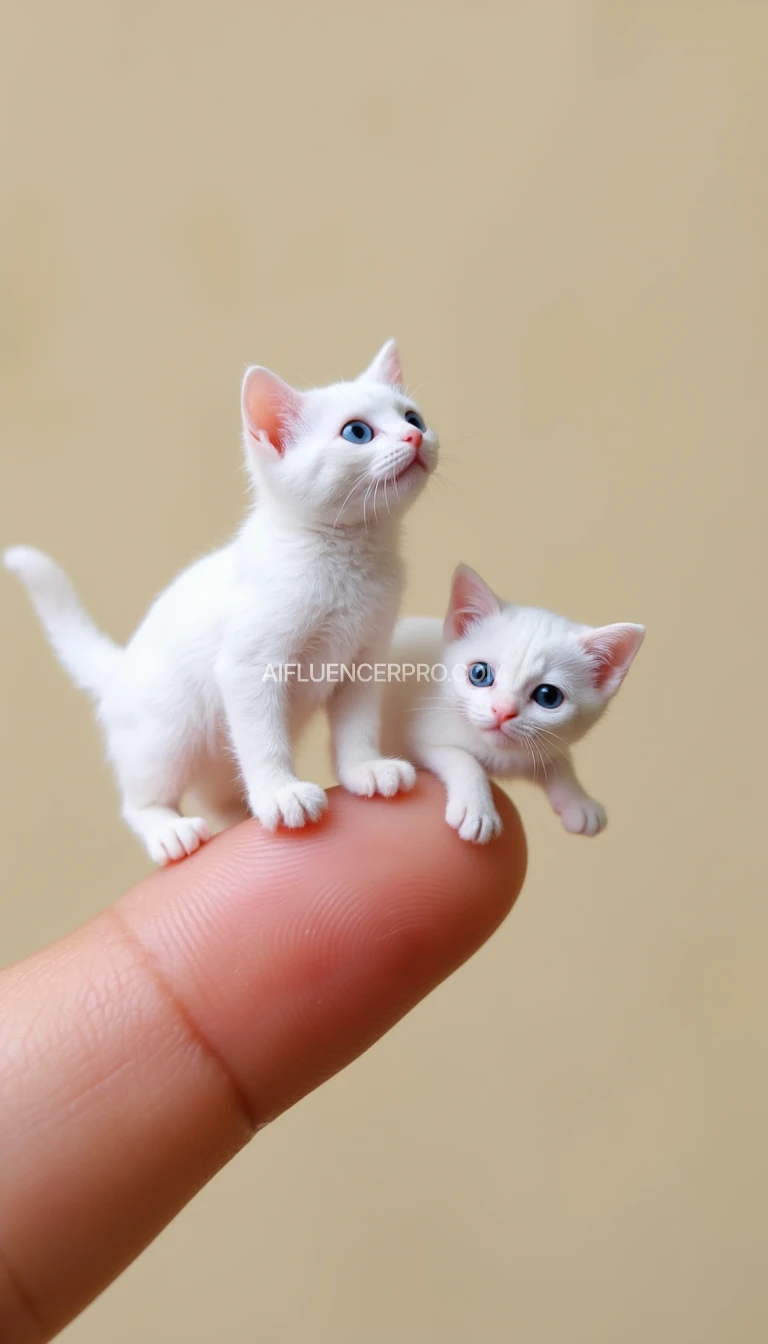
415 437
503 713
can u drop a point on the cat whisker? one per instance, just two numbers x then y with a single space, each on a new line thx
524 735
365 504
553 738
442 482
535 747
527 746
531 737
530 756
544 761
556 743
357 483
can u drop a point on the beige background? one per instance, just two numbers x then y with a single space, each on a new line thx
561 210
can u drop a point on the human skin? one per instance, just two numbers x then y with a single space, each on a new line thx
140 1053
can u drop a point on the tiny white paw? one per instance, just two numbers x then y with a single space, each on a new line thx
173 840
585 817
475 821
384 776
291 805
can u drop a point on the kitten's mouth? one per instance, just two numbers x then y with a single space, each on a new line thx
417 461
499 735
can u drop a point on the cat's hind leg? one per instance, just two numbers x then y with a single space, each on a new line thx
164 832
153 774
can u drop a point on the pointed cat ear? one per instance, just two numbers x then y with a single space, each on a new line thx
471 601
386 367
270 407
611 649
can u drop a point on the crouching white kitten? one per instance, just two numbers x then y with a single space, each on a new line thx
514 689
196 701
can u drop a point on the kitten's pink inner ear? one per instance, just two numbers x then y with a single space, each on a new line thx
271 408
471 601
387 367
612 648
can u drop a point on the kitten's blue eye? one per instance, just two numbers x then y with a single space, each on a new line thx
356 431
480 674
413 418
549 697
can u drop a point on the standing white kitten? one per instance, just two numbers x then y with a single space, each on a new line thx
521 686
315 575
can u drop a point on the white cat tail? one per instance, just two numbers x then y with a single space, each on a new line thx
89 657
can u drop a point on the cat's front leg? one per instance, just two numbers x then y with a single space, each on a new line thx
355 717
580 814
255 695
470 807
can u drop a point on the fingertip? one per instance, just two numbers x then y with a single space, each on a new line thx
153 1041
323 937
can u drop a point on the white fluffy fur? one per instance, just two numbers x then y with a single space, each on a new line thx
450 727
314 575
